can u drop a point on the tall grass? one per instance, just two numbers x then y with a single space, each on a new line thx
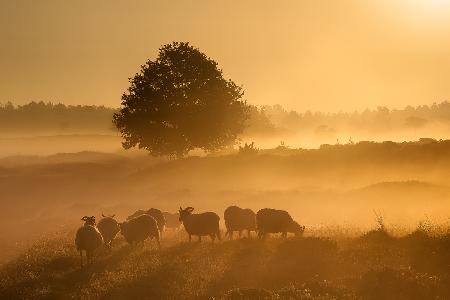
375 265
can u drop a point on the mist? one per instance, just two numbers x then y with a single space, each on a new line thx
225 150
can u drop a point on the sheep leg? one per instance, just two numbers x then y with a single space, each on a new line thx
189 238
262 235
230 234
199 238
284 234
218 234
158 242
240 234
213 237
248 232
81 256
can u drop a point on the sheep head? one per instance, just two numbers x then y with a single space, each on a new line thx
297 229
123 227
88 220
184 212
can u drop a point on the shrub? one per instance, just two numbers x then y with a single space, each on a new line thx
248 149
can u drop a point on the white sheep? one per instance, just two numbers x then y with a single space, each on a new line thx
88 238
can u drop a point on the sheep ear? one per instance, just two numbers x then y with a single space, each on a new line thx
181 208
103 215
84 218
113 216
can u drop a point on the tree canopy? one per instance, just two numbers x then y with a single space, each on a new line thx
179 102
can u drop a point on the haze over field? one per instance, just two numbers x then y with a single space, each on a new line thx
327 123
39 128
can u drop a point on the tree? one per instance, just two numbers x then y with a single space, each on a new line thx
181 102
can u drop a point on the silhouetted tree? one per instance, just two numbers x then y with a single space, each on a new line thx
180 102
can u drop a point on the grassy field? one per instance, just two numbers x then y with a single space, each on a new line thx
321 265
333 191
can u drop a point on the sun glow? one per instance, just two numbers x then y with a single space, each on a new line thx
419 14
434 3
431 6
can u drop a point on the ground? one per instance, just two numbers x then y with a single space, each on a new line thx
376 265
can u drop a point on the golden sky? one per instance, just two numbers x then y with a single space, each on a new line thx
304 54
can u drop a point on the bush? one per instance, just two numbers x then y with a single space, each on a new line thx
248 149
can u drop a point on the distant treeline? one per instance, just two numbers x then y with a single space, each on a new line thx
377 121
265 120
48 117
40 117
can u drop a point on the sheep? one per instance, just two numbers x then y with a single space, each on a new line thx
109 228
88 238
274 221
172 220
139 229
200 224
155 213
159 217
238 219
136 214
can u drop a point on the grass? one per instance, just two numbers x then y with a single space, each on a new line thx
330 262
375 265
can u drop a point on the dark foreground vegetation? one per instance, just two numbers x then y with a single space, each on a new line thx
375 265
